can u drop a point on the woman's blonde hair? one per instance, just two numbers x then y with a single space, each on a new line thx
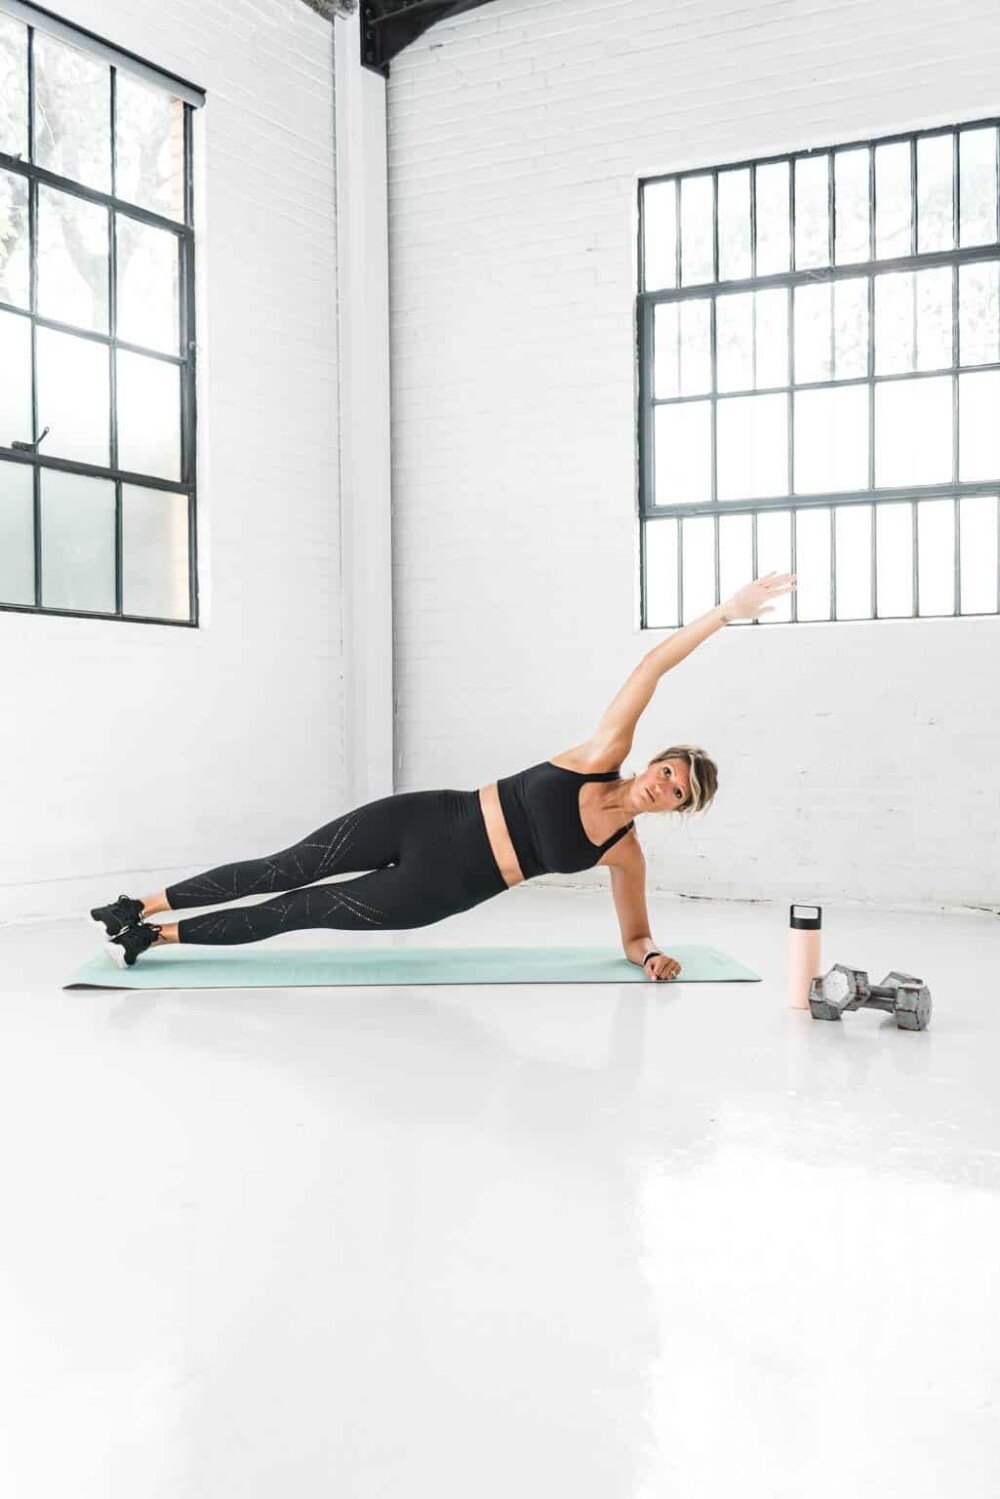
702 770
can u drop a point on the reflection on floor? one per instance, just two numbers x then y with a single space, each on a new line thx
637 1242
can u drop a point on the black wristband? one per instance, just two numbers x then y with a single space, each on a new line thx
653 953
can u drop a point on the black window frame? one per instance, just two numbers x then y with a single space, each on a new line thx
834 271
29 453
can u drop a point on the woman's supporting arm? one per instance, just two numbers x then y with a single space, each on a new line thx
628 886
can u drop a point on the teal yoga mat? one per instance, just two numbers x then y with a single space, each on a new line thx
292 968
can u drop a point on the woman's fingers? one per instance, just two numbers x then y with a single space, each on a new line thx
664 968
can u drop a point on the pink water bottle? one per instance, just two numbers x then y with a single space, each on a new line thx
803 953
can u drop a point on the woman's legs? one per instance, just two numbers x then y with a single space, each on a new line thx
369 837
366 838
429 856
387 899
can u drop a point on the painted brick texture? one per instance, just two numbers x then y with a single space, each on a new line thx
139 752
856 760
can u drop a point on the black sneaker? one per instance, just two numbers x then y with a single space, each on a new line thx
122 913
127 946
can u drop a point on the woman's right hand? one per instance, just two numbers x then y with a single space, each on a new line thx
756 598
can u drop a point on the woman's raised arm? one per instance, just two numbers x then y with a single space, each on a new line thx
630 702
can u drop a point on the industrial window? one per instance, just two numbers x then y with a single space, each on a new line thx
819 377
97 353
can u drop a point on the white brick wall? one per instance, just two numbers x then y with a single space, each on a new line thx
857 761
130 753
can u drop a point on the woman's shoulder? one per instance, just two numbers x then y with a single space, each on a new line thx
593 757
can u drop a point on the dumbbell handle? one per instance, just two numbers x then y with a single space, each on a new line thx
881 998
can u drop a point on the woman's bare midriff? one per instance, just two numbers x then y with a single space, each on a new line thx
500 840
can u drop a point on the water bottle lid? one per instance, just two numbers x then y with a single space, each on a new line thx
806 923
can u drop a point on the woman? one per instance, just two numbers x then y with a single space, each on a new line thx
432 854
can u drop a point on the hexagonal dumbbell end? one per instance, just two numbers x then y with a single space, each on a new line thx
841 989
913 1000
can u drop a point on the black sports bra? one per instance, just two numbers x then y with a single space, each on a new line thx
541 806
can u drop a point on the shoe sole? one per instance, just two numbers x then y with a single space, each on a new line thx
105 931
116 954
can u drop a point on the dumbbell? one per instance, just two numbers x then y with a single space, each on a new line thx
843 988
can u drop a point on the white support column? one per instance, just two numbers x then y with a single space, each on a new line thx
366 533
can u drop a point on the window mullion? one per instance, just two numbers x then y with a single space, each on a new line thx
113 347
36 485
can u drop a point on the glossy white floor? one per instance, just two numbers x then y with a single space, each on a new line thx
613 1243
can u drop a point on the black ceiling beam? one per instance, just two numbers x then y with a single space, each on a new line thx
387 26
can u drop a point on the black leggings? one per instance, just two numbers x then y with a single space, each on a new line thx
429 855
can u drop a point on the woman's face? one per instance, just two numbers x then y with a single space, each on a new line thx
663 787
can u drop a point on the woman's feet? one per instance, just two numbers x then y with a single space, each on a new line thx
131 943
118 917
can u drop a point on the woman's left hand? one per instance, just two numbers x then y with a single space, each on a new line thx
661 966
757 598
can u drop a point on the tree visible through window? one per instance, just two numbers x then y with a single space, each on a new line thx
819 355
97 452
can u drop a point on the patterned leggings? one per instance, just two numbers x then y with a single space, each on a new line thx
428 853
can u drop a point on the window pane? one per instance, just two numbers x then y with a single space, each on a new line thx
73 260
772 337
977 193
72 113
147 285
774 554
734 225
150 136
813 341
660 556
894 576
773 236
894 323
17 535
913 442
696 230
752 447
978 315
13 87
935 193
659 229
844 356
78 542
936 556
666 351
15 379
812 564
978 528
735 553
73 394
853 542
155 553
853 237
149 427
831 439
933 290
893 200
14 269
696 347
683 455
850 328
734 341
698 563
979 425
812 211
